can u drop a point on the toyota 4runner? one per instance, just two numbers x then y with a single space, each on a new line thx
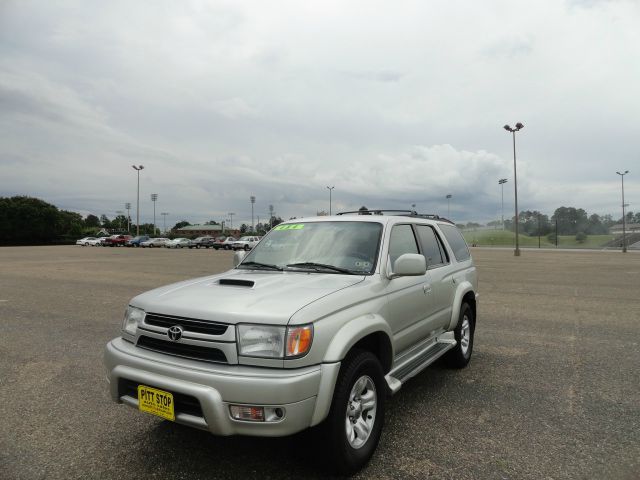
314 327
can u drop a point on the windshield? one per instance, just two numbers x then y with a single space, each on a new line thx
326 247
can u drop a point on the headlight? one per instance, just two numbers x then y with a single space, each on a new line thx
132 317
261 341
267 341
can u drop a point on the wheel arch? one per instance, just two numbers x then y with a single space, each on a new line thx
465 293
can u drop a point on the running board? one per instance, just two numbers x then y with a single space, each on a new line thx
419 361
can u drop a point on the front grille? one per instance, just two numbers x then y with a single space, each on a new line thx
182 403
188 324
195 352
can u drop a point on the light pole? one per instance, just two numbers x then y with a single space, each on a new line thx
253 201
127 206
138 168
501 182
330 190
164 221
270 217
231 214
413 207
448 206
154 199
624 220
519 126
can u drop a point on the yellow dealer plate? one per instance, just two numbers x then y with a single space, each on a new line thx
156 402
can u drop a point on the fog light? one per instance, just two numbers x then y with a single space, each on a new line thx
247 413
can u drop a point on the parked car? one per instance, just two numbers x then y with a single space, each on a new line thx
136 241
224 243
84 241
154 242
178 243
96 242
202 242
305 331
245 243
116 241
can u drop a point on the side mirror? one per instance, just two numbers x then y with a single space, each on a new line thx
409 265
238 257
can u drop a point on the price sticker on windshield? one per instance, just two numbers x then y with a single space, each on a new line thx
292 226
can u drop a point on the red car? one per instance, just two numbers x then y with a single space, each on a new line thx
116 241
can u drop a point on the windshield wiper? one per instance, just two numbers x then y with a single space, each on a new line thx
319 266
259 265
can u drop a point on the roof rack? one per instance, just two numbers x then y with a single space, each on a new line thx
401 213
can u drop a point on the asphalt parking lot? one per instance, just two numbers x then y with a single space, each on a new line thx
553 389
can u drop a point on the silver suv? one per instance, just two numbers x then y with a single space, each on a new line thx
312 328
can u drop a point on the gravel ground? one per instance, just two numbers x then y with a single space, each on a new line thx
553 389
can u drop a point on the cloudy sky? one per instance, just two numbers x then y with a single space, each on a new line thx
393 103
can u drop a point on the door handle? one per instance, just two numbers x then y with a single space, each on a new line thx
426 288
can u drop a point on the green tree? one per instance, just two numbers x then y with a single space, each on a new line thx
104 221
570 220
180 224
92 221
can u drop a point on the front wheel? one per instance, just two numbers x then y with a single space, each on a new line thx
460 355
355 421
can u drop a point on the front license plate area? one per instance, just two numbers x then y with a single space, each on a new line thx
156 402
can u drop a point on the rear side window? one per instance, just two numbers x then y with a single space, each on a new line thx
430 246
402 241
456 240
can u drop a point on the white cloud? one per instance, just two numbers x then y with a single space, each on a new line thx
394 104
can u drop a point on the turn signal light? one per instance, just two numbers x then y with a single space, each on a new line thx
299 340
252 414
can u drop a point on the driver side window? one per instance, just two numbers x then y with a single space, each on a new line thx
402 241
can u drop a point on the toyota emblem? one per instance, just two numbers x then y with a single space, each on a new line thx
175 333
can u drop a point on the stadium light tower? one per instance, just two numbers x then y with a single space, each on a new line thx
164 221
624 220
519 126
231 214
501 182
138 168
448 206
253 201
330 190
127 207
154 199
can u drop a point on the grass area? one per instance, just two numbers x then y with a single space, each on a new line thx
503 238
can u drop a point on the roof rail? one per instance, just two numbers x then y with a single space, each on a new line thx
401 213
379 212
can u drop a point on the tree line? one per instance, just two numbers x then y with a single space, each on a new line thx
564 221
30 221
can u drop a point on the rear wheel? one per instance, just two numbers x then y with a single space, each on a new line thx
460 355
354 425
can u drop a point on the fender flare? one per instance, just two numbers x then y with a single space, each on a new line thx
354 331
343 341
464 288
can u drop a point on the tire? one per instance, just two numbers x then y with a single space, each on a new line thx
460 355
350 447
247 248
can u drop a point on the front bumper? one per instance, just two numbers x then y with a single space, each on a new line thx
304 394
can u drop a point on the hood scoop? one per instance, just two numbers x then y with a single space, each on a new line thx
236 282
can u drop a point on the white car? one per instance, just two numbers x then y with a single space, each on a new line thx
85 241
178 243
245 243
95 242
154 242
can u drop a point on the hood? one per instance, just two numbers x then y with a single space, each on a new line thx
239 296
